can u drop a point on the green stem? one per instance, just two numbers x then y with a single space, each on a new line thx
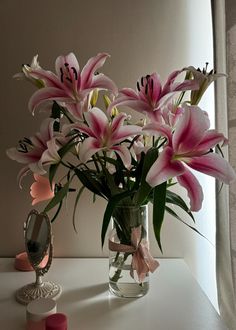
117 274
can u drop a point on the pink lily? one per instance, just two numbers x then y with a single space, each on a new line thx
190 146
36 151
105 135
41 190
70 86
150 95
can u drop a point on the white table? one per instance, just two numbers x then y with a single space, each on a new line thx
174 302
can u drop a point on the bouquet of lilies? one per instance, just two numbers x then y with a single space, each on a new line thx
100 147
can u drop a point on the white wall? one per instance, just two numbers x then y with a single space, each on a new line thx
142 37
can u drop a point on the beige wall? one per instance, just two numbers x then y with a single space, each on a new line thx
141 36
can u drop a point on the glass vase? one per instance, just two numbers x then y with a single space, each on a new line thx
128 246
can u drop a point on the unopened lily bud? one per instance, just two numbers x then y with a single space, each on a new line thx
94 97
107 101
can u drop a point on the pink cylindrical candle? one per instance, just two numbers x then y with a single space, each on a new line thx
56 321
37 311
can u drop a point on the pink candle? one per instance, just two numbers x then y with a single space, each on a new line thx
56 321
37 311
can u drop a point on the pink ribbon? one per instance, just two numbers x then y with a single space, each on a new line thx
142 261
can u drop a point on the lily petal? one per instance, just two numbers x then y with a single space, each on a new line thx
190 129
194 189
164 168
213 165
124 154
88 148
47 94
90 67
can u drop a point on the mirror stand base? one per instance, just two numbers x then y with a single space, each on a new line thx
32 291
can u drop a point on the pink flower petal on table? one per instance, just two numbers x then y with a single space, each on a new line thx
164 168
194 189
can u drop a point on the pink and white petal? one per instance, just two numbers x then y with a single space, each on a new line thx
88 148
76 110
37 168
50 155
158 130
185 86
23 172
47 94
90 67
156 90
97 121
103 82
167 87
50 79
210 140
213 165
20 157
190 129
46 129
118 121
128 92
164 168
194 189
125 132
124 154
70 59
82 127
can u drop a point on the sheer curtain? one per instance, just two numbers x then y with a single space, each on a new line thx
224 27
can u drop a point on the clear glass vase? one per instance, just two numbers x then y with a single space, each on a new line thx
128 244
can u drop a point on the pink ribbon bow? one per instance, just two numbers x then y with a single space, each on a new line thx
142 261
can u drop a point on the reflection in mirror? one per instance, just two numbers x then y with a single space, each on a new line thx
37 237
38 243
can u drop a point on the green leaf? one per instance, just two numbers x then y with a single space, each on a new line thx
58 197
57 212
75 205
56 114
145 188
112 203
159 201
174 214
173 198
90 183
52 171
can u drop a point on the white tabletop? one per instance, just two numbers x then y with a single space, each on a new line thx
174 301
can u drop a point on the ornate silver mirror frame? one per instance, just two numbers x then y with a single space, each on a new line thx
38 243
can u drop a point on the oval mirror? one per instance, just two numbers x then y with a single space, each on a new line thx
37 236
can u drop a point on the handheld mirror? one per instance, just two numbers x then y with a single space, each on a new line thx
38 243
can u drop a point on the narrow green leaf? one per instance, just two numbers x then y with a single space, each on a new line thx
58 197
56 114
75 205
173 198
159 201
145 188
57 212
174 214
52 172
91 184
112 203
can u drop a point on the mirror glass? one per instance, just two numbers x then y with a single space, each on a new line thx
37 237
